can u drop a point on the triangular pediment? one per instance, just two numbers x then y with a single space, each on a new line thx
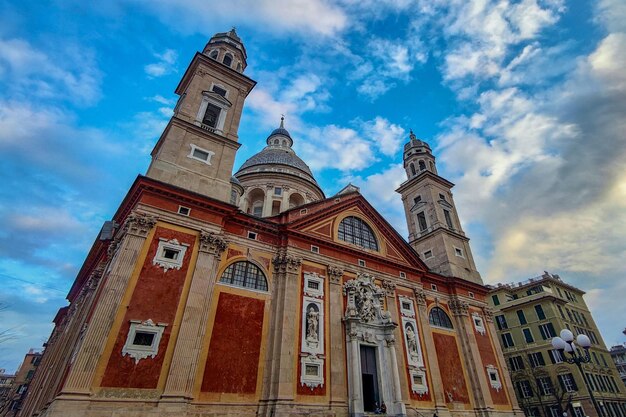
322 220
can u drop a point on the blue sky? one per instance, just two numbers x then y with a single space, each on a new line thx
523 102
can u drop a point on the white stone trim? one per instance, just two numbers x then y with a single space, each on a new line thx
313 345
479 323
404 303
413 353
462 255
494 377
170 263
416 386
139 352
312 381
217 100
311 277
192 156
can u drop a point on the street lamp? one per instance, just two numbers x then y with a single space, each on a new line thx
565 343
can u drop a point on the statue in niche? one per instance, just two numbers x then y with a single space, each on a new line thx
367 305
411 341
312 324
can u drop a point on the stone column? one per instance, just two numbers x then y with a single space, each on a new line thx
471 355
354 365
267 202
284 202
282 352
338 389
436 389
136 228
183 368
502 367
398 405
390 293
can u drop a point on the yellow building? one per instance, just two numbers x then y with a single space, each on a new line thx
527 316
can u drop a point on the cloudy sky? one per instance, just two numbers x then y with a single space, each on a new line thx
523 102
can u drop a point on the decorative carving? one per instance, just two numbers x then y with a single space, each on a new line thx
202 72
488 312
411 342
335 274
390 287
312 325
420 296
112 249
170 254
139 224
94 279
458 306
285 262
365 299
149 346
390 341
212 243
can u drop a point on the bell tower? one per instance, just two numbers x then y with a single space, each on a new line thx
196 151
434 228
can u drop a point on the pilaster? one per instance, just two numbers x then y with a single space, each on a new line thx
133 236
182 371
338 387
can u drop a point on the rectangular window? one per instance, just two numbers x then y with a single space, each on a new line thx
545 385
417 199
421 221
184 210
361 262
540 314
547 331
568 383
211 115
314 285
528 336
170 253
252 235
442 197
501 322
311 370
555 356
516 363
199 154
496 301
458 252
470 294
315 249
402 274
553 411
428 254
521 317
446 214
536 359
278 191
525 389
561 312
143 339
507 340
433 287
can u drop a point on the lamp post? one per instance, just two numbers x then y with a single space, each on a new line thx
565 343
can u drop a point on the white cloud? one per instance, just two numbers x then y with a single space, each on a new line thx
166 64
336 147
387 136
318 17
54 73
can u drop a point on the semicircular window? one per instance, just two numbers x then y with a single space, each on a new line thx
245 275
354 230
439 318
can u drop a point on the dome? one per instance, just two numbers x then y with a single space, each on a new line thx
414 142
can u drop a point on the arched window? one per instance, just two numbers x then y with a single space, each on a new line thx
246 275
432 166
295 200
439 318
422 165
239 66
214 54
354 230
228 60
413 169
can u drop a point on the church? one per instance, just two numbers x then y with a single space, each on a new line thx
249 292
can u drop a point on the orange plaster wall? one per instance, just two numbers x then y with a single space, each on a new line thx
488 357
450 367
233 359
156 296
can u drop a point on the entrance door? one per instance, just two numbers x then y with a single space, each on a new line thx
369 378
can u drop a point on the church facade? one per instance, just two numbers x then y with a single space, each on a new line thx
254 294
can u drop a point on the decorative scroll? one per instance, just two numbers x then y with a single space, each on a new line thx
365 299
212 243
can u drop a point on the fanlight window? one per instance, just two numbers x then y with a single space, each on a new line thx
439 318
354 230
246 275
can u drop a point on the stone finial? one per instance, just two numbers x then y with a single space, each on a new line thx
285 262
212 243
139 224
335 274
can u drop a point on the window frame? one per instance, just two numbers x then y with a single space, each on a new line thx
356 231
438 317
232 281
194 148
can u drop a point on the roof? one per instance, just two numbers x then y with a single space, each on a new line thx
277 156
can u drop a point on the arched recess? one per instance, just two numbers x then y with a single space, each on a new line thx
295 200
422 165
256 199
438 317
244 274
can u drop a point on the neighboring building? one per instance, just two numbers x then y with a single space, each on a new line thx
618 354
6 383
256 295
528 315
20 383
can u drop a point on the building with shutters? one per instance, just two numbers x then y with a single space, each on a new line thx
527 316
255 294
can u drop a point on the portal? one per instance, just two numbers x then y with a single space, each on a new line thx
369 378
